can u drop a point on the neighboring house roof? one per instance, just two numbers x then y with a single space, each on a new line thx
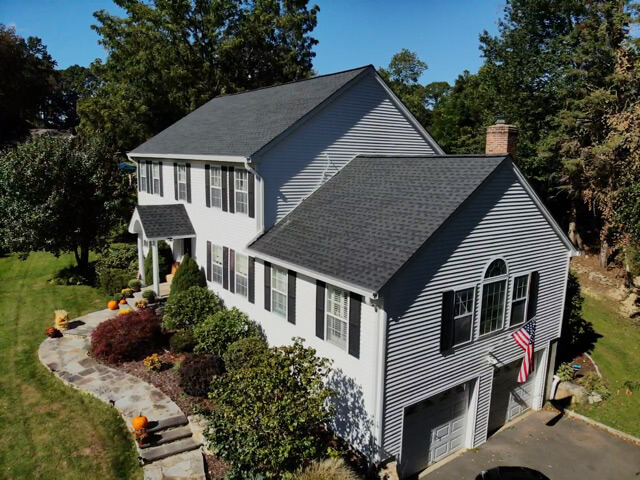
240 124
163 221
365 223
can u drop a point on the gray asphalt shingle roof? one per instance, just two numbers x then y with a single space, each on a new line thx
241 124
363 224
165 221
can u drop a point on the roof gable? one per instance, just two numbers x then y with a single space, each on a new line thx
241 124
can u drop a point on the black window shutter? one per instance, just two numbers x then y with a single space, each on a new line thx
252 279
320 292
225 268
252 195
149 186
175 179
138 176
267 286
291 297
224 188
209 261
232 271
446 326
188 183
532 307
161 179
355 308
232 186
207 184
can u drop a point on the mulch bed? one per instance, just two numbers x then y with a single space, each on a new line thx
585 364
167 381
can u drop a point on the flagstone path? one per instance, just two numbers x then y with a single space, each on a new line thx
177 455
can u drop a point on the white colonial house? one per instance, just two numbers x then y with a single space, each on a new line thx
325 211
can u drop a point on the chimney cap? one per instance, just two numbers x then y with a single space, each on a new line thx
500 120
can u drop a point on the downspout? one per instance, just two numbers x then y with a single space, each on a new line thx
381 345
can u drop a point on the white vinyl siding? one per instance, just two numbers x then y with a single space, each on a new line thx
519 299
217 264
279 285
155 169
242 191
337 316
216 186
182 182
242 275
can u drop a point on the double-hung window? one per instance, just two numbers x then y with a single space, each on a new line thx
216 186
463 301
337 316
216 263
519 299
494 292
242 191
182 182
242 275
279 285
142 171
155 172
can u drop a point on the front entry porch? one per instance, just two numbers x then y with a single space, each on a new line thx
153 223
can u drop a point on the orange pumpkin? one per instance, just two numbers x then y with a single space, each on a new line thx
140 422
123 302
112 305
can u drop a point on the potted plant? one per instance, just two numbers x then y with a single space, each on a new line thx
53 332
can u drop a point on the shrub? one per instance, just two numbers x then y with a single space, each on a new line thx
592 382
220 330
182 341
118 296
268 418
197 371
188 275
565 372
331 468
165 260
244 352
153 362
72 275
142 303
121 256
127 292
149 295
134 284
127 337
113 280
186 309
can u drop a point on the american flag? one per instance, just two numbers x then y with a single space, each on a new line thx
525 338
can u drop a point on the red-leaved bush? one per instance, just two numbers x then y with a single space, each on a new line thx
128 337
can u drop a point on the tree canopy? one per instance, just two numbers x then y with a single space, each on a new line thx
167 58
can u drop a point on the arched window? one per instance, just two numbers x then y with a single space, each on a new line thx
494 293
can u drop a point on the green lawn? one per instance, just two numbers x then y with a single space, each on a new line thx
49 430
617 354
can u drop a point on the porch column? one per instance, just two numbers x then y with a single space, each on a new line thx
141 258
156 268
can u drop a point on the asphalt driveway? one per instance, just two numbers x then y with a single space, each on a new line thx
567 450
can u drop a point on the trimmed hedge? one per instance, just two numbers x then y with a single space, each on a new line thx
128 337
186 309
245 352
188 275
197 371
113 280
218 331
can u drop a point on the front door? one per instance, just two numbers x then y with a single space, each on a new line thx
187 246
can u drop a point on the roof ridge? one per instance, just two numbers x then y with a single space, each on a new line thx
422 155
291 82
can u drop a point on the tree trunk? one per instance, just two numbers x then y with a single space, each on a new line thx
574 234
82 259
604 253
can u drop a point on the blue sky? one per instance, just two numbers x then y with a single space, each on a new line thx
352 33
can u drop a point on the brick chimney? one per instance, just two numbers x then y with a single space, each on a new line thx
502 138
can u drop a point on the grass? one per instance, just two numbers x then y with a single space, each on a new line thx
48 429
617 354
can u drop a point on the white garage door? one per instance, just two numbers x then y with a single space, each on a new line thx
433 429
508 397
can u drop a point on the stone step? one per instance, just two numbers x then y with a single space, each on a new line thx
153 454
131 302
167 436
167 423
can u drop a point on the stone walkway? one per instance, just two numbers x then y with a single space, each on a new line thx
68 359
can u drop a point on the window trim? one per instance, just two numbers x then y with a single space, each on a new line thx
218 169
326 314
236 190
486 281
285 294
186 187
143 176
214 264
472 333
528 274
237 274
155 165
